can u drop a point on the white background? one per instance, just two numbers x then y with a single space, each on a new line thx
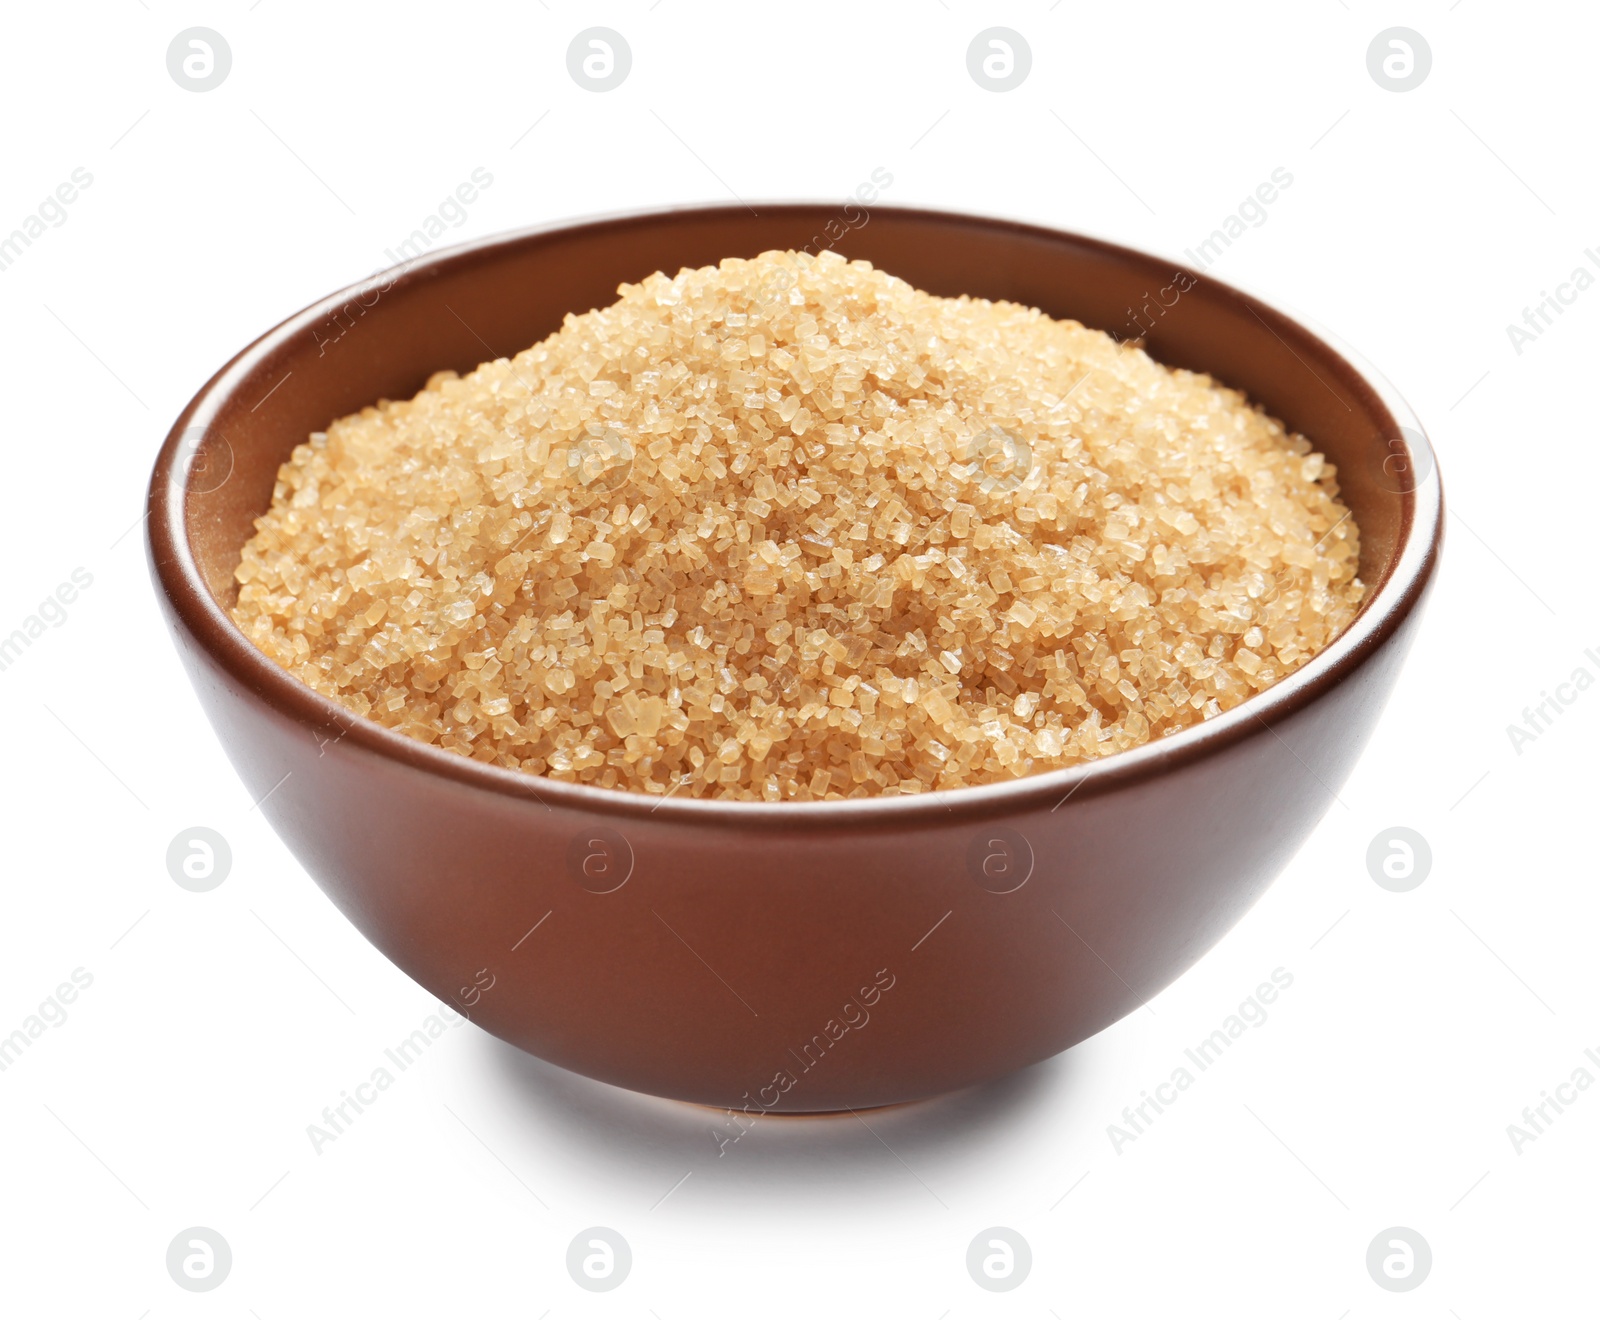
1379 1090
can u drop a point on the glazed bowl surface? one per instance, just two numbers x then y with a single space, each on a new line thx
788 956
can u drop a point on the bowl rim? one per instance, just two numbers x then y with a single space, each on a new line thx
1389 601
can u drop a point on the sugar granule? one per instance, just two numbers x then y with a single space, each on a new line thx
788 528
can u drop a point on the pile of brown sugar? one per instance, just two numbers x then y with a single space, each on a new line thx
788 528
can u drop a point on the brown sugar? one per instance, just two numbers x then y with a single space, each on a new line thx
788 528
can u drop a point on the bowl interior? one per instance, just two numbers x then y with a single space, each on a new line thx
384 338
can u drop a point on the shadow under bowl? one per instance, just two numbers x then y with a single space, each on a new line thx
791 956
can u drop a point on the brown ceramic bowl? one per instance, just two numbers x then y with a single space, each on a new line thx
807 956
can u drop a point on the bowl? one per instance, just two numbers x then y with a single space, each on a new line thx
793 956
